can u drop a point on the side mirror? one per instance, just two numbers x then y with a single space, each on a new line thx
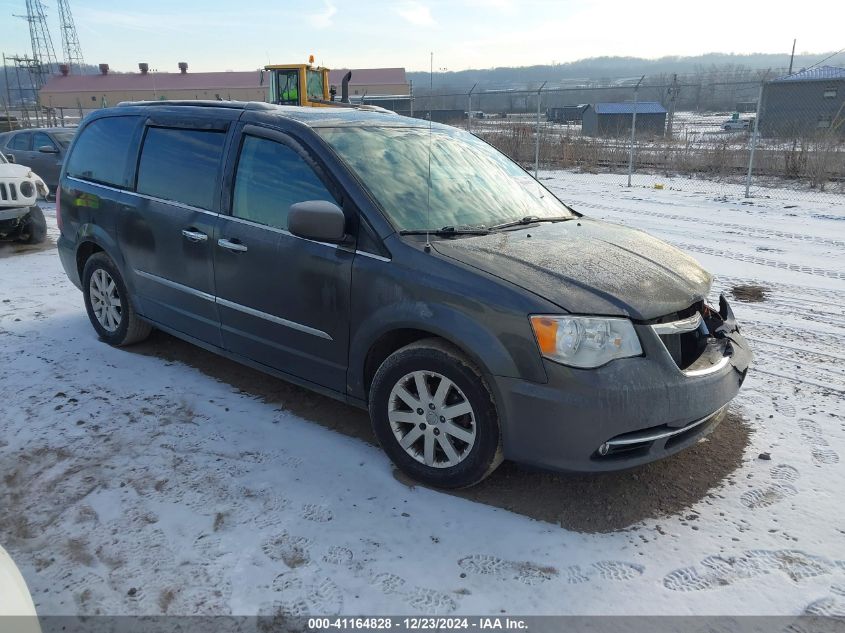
48 149
10 158
318 220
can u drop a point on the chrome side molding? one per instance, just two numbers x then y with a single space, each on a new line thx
236 306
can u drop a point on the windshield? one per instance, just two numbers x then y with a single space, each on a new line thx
315 85
472 184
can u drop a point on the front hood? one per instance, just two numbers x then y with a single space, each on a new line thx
13 170
589 267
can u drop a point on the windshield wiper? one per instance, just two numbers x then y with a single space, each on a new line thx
446 231
531 219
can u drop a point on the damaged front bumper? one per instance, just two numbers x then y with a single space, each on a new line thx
630 411
13 213
12 221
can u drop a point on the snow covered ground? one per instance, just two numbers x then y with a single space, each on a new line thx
132 483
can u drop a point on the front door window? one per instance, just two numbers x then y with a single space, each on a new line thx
270 178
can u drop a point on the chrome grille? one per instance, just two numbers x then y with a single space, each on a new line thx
8 192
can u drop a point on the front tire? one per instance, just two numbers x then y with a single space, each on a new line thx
108 304
434 415
34 230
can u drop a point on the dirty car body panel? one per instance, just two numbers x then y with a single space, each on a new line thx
319 313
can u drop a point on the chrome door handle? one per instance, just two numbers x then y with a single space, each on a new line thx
232 246
194 236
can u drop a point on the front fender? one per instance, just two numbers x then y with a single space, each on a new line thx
477 342
483 317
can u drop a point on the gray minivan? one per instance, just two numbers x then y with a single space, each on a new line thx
403 267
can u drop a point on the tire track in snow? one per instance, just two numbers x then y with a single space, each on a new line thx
804 294
746 229
762 261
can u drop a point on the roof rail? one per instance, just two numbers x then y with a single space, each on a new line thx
233 105
249 105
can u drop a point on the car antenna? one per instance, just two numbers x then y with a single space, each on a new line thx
428 192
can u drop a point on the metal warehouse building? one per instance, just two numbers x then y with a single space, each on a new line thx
566 114
804 104
614 119
110 88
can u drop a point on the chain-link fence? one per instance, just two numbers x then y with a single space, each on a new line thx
775 137
754 138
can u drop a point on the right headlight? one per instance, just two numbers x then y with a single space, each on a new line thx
585 342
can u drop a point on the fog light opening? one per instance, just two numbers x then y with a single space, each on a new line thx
604 449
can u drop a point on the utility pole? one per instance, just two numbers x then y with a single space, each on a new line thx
633 131
537 139
469 107
8 101
754 133
70 40
673 94
792 57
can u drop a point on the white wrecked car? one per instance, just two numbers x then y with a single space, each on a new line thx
20 216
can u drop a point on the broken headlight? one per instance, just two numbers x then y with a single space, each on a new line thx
585 342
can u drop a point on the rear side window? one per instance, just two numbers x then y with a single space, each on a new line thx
271 177
102 151
181 165
21 141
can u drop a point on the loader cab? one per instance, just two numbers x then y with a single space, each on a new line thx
299 85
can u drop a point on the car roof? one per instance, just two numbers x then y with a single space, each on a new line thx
309 116
41 129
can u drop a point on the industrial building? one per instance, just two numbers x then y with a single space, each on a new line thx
109 88
566 114
614 119
804 104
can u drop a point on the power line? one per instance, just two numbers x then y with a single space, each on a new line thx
841 50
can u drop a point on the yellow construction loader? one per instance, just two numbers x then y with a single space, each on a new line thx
304 85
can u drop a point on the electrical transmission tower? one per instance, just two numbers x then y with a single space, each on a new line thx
42 44
70 40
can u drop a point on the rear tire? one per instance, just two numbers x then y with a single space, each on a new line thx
108 304
34 230
434 415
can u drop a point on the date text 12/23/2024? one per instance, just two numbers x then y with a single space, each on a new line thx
418 624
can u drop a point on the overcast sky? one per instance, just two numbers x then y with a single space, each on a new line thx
246 34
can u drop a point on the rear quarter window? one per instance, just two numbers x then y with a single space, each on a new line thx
101 153
181 165
21 142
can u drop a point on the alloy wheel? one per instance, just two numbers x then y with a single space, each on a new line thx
105 300
432 419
